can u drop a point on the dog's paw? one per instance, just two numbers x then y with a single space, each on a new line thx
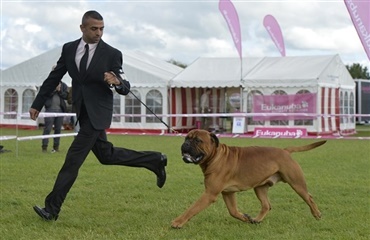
176 225
250 219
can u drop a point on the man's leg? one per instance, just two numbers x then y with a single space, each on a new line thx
75 157
58 122
107 154
48 124
110 155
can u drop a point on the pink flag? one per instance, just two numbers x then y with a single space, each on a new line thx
231 16
359 10
273 28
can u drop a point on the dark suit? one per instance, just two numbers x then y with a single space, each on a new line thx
93 101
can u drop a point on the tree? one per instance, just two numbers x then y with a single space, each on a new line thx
358 72
177 63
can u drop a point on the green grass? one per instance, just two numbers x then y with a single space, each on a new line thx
362 131
112 202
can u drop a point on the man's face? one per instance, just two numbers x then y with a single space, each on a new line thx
92 30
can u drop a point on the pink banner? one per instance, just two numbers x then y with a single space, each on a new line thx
273 28
228 10
359 10
283 105
280 132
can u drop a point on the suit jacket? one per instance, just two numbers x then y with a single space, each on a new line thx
90 89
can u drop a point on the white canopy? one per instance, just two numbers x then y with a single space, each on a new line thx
32 72
307 71
214 72
141 70
267 72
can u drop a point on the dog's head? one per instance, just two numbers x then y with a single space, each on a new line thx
199 145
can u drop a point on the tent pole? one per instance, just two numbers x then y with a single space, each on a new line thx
169 110
241 85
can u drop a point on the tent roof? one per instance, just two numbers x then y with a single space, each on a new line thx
299 72
214 72
141 70
32 72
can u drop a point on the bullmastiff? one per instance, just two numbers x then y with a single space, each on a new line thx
229 169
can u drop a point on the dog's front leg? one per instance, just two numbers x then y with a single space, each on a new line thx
203 202
231 204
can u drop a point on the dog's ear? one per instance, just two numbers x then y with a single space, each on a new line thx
214 139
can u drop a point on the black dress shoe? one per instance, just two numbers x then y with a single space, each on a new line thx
44 214
161 175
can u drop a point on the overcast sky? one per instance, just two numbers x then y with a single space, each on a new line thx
181 30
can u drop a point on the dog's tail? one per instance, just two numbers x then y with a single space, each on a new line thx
304 148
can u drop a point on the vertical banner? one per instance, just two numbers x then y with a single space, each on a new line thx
359 10
273 28
228 10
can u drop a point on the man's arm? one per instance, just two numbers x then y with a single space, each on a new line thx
121 85
48 86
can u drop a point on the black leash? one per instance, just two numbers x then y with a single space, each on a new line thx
150 110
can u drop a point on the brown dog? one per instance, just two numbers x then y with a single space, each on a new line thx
229 169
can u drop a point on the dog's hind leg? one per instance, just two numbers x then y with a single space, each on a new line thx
231 204
261 193
302 191
296 180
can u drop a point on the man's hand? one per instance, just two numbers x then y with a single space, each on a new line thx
58 87
34 113
111 79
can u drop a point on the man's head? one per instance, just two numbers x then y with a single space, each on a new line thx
92 27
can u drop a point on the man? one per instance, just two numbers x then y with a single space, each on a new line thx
94 67
55 104
204 107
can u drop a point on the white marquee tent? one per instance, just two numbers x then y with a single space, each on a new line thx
326 76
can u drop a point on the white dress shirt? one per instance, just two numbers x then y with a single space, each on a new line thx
81 51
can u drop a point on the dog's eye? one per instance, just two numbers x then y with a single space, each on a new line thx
198 140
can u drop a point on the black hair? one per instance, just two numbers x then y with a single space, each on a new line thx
91 14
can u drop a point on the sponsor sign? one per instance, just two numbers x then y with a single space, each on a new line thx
230 14
284 104
273 29
239 125
359 10
280 132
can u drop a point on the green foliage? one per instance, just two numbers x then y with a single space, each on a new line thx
177 63
358 72
112 202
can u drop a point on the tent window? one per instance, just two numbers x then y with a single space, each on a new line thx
303 122
345 107
352 106
27 99
250 107
10 103
132 106
279 122
116 106
154 100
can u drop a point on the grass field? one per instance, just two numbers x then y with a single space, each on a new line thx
112 202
